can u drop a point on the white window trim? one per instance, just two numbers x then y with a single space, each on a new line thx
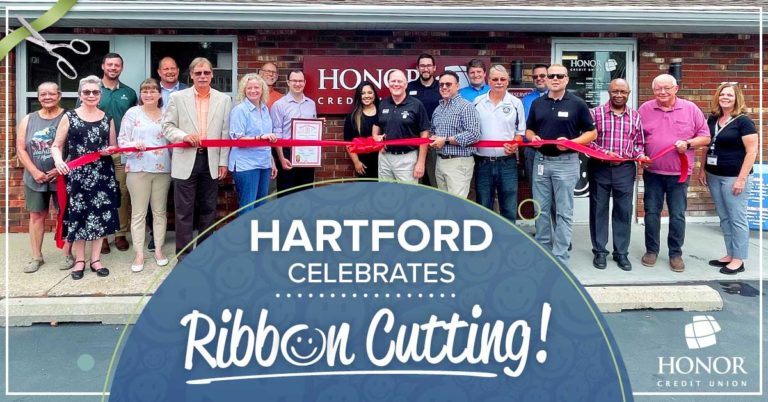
22 92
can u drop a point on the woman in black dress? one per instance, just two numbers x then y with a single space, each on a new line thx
359 123
92 192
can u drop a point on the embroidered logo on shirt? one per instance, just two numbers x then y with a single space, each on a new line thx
405 114
506 109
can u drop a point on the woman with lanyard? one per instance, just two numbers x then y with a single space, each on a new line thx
727 171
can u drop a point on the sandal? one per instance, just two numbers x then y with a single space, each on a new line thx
78 274
103 271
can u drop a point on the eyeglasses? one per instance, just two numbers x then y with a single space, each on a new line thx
446 84
149 91
296 81
540 76
426 65
663 89
201 73
89 92
558 76
499 79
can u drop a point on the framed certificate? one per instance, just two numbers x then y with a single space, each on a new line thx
306 129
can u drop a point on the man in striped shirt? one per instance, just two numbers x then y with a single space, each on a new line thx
619 134
456 126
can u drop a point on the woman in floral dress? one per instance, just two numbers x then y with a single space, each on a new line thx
148 172
92 192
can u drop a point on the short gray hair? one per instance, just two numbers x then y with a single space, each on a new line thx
664 77
499 68
91 79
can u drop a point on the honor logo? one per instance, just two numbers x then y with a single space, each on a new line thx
701 333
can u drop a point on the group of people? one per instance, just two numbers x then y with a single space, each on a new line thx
109 113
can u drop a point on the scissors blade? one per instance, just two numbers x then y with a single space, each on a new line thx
31 30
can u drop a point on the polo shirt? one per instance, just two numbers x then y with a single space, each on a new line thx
470 93
404 120
428 95
529 98
551 119
729 145
499 122
274 96
663 128
115 102
166 93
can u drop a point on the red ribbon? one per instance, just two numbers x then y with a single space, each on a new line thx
358 145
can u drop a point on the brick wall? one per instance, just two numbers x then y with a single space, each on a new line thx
707 61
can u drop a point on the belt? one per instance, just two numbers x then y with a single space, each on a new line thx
612 163
451 156
400 152
494 158
202 151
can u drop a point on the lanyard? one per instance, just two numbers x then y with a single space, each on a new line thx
718 130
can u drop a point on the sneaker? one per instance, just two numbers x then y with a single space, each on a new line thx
649 259
33 265
66 263
677 264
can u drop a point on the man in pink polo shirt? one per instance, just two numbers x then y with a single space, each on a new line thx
668 120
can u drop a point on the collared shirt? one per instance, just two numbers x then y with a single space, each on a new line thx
551 119
115 102
663 128
457 118
166 92
428 95
248 121
201 106
287 108
499 122
618 133
406 119
470 93
529 98
139 127
274 95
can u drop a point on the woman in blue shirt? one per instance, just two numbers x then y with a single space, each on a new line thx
251 167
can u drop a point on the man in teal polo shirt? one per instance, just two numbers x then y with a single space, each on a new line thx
116 99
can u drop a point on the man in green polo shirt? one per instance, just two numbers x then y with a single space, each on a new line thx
116 99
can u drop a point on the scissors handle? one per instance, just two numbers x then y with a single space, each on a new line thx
66 68
79 42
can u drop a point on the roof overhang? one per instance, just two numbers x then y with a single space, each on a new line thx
268 15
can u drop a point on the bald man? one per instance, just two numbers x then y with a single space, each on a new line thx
401 116
619 133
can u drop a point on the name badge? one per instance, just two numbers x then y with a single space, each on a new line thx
712 160
412 93
384 111
540 171
562 114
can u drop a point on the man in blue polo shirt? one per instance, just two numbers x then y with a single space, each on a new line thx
563 116
425 90
477 86
539 76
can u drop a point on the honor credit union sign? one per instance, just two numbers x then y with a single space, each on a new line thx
331 80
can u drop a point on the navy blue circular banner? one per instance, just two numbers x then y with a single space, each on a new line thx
370 292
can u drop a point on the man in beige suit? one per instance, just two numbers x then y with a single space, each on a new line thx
193 115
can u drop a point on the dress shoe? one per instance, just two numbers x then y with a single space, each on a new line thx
623 262
677 264
78 274
33 265
66 263
718 263
151 244
649 259
121 243
103 271
728 271
105 247
161 262
599 261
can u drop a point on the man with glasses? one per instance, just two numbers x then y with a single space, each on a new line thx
619 134
539 76
668 120
456 127
426 90
294 105
501 119
116 99
269 72
196 114
477 86
401 116
557 116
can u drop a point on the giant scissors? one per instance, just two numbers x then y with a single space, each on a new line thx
62 63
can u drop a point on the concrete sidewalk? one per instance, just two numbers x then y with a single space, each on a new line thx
50 294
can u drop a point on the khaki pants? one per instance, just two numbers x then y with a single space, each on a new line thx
124 213
398 166
455 175
148 189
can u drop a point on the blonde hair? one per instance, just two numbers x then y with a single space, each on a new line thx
739 103
262 84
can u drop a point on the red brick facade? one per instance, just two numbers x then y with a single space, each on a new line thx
707 61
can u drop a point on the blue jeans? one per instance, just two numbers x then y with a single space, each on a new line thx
659 187
251 185
732 210
555 185
497 177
